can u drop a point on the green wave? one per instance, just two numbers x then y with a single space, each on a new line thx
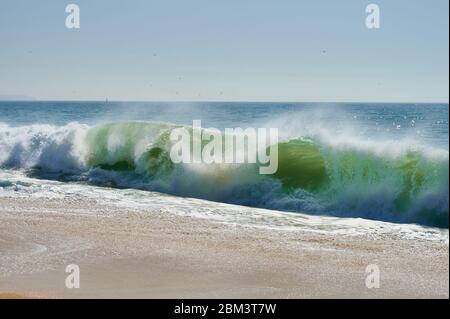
312 175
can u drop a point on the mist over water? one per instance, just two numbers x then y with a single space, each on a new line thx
378 161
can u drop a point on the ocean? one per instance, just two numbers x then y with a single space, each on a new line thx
384 163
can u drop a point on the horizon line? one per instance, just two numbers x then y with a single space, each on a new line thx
221 101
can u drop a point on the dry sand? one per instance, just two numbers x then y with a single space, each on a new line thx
152 254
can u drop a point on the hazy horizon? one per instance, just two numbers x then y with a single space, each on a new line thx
30 99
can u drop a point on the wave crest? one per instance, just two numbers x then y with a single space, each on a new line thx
342 177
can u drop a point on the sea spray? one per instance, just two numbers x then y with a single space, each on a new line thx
316 174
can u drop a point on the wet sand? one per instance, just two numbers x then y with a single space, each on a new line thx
153 254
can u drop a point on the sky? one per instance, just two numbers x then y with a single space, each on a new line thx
225 50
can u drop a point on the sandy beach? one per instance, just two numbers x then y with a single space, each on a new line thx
152 254
226 150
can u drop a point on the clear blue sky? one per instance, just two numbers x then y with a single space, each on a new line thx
241 50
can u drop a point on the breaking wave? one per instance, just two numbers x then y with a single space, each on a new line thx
395 181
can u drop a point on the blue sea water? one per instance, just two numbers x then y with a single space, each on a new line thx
428 122
378 161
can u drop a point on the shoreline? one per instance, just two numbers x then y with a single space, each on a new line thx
153 254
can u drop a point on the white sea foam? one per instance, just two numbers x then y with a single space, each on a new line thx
21 186
401 181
